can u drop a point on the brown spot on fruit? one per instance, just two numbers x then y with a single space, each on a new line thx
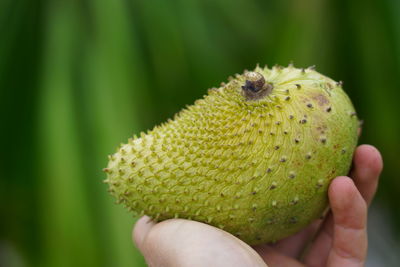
336 146
321 129
321 99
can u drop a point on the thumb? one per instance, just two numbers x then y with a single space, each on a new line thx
179 242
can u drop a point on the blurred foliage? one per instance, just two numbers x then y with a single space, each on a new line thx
78 77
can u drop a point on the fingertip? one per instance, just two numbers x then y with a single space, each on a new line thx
341 186
370 157
347 204
343 194
367 168
141 229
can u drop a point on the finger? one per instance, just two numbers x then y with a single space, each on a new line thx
180 242
349 247
367 168
341 187
274 258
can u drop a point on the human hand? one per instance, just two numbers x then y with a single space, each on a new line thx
340 239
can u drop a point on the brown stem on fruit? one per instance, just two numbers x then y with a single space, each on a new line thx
255 86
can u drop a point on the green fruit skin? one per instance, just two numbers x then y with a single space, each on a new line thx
258 169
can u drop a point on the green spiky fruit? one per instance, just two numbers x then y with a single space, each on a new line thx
254 157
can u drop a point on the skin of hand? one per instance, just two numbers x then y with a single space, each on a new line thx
340 239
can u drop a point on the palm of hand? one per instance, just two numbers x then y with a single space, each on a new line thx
339 239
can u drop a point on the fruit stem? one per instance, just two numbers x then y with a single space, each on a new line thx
255 86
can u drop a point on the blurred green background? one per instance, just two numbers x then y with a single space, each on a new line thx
79 77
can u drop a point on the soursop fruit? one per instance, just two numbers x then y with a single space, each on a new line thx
253 157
